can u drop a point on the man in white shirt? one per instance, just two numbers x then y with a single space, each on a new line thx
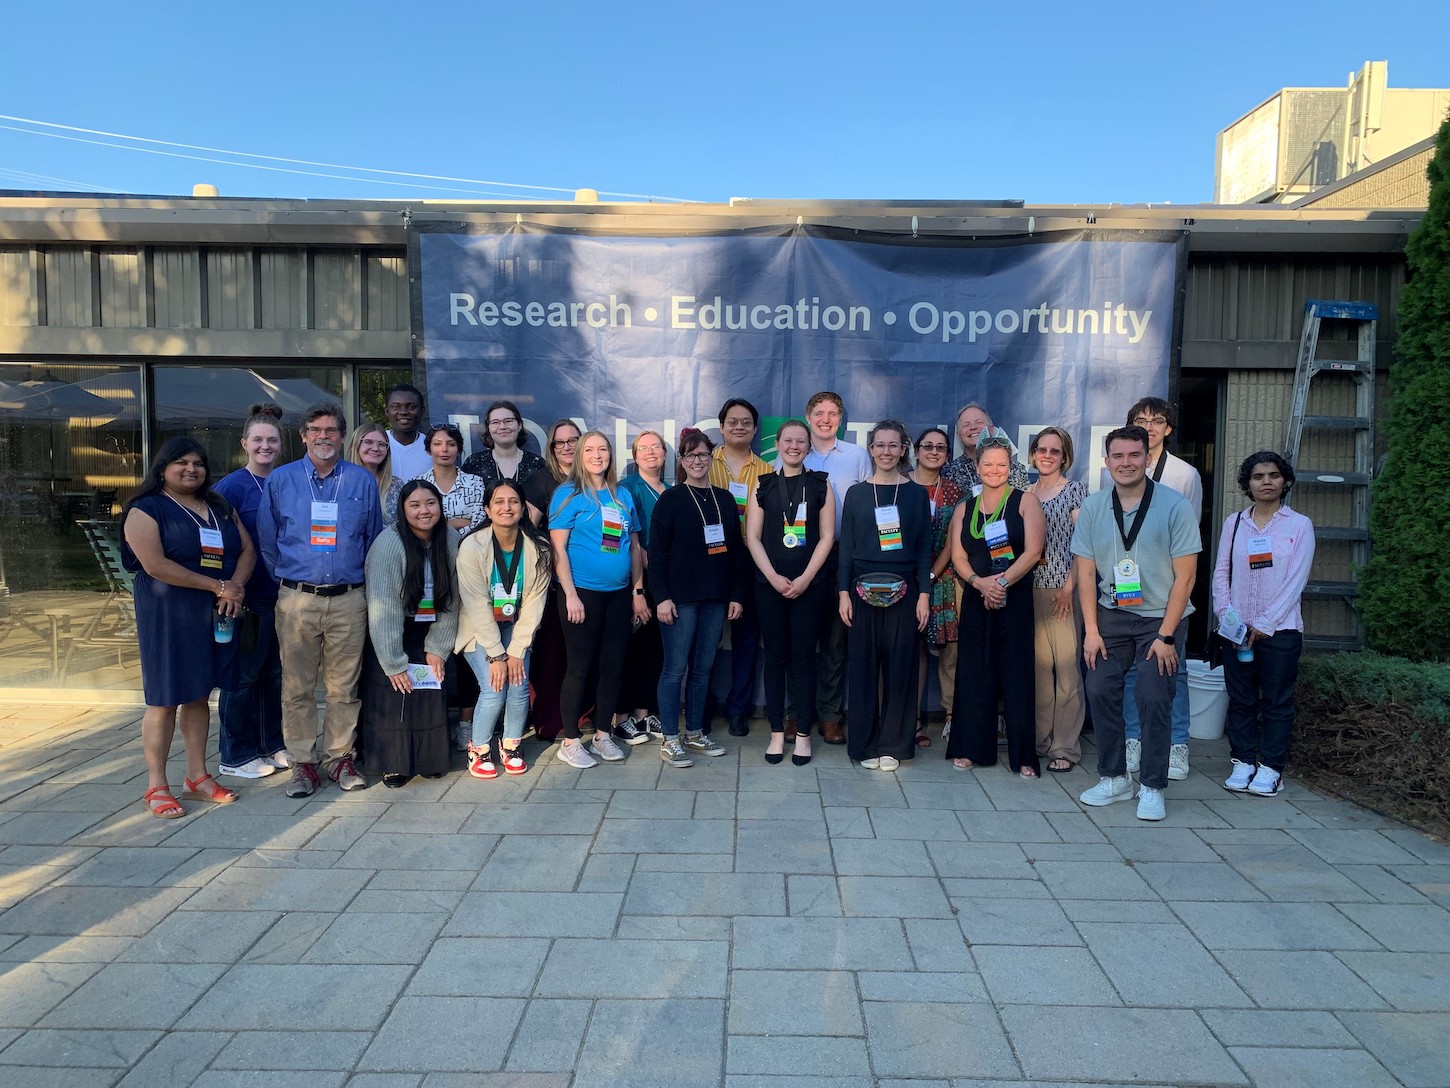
1156 416
404 408
845 465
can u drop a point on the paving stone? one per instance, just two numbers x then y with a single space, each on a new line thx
1104 852
849 823
1105 910
517 864
962 888
803 1056
868 789
30 1076
938 945
377 850
1093 880
718 805
642 968
293 1050
1159 844
203 866
784 808
200 937
422 1034
548 1037
1179 813
541 914
793 1002
1212 882
1008 792
1298 980
121 866
1160 965
1164 1045
1035 976
280 889
867 857
1402 928
650 805
980 860
776 848
960 795
71 911
1422 846
33 989
1247 812
753 780
1409 1045
665 837
51 949
441 818
523 818
385 1080
227 1078
288 941
1007 827
1306 1068
1410 981
944 986
706 893
893 897
1014 922
683 863
908 823
1293 873
325 997
117 996
45 828
925 1039
235 829
629 1042
606 873
1270 1027
1354 847
78 1048
678 928
480 966
1282 926
376 938
398 901
421 880
1381 885
813 896
341 833
841 944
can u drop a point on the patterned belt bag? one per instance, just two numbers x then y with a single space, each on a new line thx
880 590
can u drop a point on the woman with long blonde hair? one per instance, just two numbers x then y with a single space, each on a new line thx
369 447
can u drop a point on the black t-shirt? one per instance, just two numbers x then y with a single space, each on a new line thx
779 498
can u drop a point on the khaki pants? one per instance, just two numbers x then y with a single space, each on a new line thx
1059 680
320 638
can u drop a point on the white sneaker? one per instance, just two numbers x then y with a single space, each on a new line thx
872 764
1178 762
1150 804
604 748
889 763
1135 754
673 753
573 753
256 767
280 759
1108 790
1238 779
1266 783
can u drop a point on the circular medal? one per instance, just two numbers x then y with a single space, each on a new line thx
790 540
507 610
1127 570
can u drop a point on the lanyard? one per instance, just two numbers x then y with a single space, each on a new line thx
1162 464
209 523
335 476
978 527
1129 538
516 557
703 519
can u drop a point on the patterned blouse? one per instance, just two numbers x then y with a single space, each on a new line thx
464 501
483 465
1052 572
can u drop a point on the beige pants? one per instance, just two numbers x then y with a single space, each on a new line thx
1059 680
946 674
320 638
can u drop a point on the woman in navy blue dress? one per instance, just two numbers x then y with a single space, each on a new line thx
191 558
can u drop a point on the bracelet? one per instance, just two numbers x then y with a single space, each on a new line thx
499 659
972 578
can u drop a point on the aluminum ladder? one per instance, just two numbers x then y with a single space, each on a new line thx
1360 319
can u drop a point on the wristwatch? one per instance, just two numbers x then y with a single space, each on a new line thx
499 659
1167 640
639 591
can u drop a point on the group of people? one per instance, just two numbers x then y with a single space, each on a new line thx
397 579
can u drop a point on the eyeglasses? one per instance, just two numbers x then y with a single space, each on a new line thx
323 432
1150 421
1048 451
507 421
698 455
931 447
995 442
887 447
565 443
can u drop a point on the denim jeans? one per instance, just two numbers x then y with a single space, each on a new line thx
251 713
1180 704
512 701
690 644
1261 699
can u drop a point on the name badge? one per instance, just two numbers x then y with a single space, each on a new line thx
995 534
613 534
738 493
795 531
324 526
1127 587
888 528
426 613
211 548
505 604
715 539
1261 552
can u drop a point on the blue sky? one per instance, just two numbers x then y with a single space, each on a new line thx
1048 102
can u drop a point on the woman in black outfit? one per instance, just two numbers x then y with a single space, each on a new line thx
884 583
996 542
790 525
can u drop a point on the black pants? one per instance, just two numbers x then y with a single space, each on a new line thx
643 660
996 655
790 629
1127 637
881 679
595 649
1261 699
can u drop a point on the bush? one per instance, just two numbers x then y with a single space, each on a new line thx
1377 729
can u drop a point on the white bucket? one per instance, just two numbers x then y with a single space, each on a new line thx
1207 701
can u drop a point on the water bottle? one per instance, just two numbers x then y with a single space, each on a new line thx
223 627
1246 652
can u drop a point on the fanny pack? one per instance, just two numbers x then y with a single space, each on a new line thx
880 590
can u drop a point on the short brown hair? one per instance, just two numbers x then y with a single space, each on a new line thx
825 394
1067 454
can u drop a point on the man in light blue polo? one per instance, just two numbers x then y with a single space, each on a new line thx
1135 551
317 520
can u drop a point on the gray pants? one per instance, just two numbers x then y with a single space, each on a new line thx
1127 637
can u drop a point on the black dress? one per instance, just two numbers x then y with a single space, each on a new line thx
995 657
402 734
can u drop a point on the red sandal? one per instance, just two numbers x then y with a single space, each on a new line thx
162 804
206 788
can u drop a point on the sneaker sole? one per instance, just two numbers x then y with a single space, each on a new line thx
480 774
1151 819
1176 776
681 764
638 738
1256 793
1236 789
237 772
1109 801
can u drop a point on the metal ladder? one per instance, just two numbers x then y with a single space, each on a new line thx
1361 318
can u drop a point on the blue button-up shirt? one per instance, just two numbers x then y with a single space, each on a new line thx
844 464
284 522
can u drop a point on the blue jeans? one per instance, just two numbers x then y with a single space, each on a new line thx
512 701
251 713
1180 704
690 644
1261 699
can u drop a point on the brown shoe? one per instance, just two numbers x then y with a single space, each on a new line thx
831 732
789 730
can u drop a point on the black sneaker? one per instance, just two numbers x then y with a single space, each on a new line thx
630 731
739 727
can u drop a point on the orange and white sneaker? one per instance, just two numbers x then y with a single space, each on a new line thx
480 762
513 759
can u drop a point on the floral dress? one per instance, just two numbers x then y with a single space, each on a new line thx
941 624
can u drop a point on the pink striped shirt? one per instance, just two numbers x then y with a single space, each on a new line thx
1266 599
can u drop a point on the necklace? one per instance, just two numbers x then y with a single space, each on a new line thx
978 527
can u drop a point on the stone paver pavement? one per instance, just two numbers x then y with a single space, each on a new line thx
735 924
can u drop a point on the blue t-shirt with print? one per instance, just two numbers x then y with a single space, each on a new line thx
582 513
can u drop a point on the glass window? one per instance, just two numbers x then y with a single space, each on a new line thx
70 455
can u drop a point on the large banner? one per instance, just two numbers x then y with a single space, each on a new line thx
632 333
